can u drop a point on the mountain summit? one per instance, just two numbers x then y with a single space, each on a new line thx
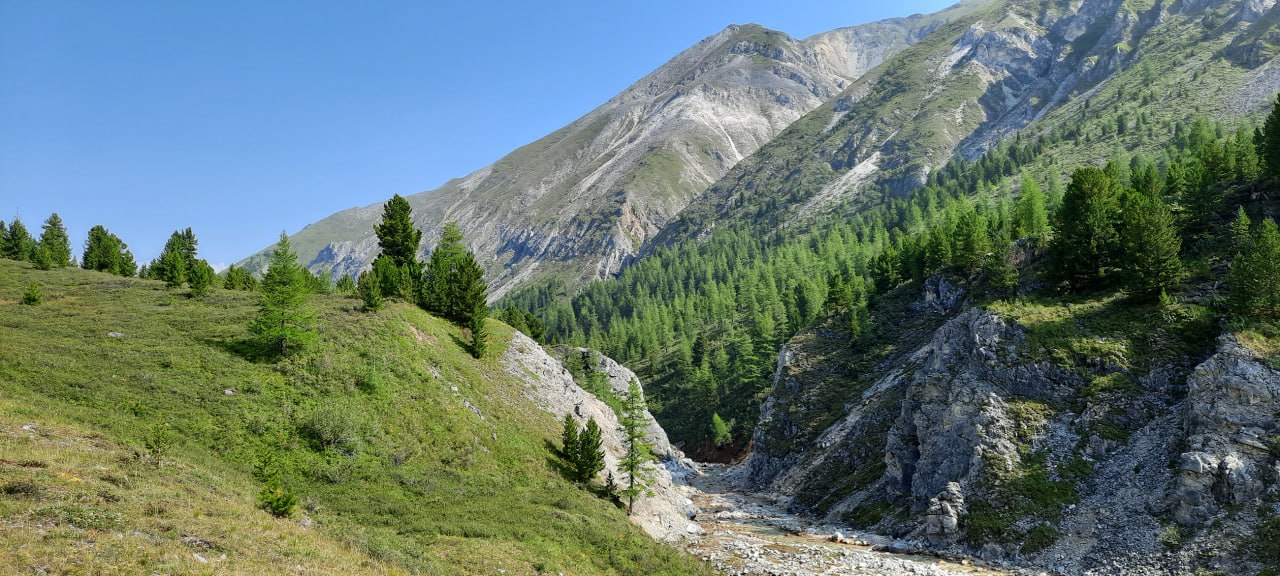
581 201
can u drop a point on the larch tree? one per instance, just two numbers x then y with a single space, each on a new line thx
1031 217
284 323
370 291
634 463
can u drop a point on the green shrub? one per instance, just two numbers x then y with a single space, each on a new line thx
32 296
277 500
1039 538
1170 537
1266 544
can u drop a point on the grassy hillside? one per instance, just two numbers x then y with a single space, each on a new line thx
134 432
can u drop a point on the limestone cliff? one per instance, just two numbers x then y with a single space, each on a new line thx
665 512
975 439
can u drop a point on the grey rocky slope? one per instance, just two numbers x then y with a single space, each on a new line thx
665 512
973 440
996 70
581 201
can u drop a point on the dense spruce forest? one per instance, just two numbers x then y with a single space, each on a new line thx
703 321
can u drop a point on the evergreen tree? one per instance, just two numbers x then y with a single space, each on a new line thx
170 267
1254 280
176 260
1267 142
284 319
1031 217
201 278
236 278
1085 244
720 433
479 332
3 230
17 242
1151 247
43 259
370 291
973 242
570 444
105 252
634 463
1241 232
453 284
397 264
589 459
55 242
397 236
346 286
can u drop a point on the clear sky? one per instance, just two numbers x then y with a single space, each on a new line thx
240 118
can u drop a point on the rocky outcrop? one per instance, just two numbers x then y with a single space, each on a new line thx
1231 414
666 512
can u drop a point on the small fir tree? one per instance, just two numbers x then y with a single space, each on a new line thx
32 296
202 278
720 433
284 318
370 291
590 457
569 443
346 286
479 332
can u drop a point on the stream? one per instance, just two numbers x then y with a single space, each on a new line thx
745 534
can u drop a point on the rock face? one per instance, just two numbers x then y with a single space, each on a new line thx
580 202
1232 406
936 435
665 513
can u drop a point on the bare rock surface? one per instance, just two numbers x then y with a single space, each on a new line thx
665 512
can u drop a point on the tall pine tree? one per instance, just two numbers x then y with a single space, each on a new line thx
17 243
1267 141
105 252
1254 280
1085 244
1151 247
397 265
284 323
453 283
55 243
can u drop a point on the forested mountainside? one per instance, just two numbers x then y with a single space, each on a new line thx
1061 351
579 203
140 433
753 260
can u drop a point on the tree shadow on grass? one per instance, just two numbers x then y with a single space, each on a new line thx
245 348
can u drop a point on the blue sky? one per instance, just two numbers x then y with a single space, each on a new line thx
243 118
